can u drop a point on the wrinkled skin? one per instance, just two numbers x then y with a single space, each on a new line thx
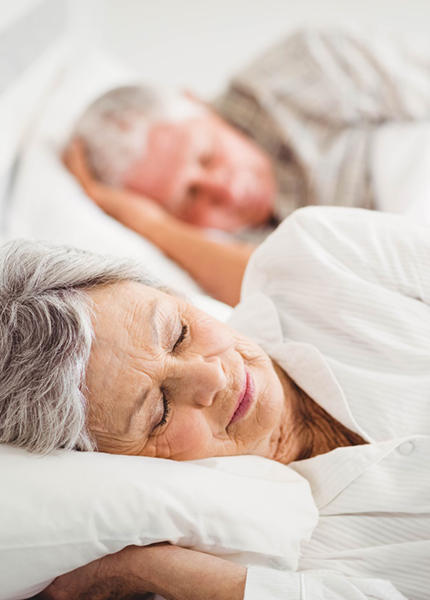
164 380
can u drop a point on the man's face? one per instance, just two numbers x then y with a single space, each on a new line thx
205 172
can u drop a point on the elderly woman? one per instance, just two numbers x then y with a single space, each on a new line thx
326 358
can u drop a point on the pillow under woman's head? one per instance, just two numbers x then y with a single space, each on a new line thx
69 508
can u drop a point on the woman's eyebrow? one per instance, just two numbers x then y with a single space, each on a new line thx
135 409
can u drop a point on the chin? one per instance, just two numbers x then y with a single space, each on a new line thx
261 214
261 204
269 411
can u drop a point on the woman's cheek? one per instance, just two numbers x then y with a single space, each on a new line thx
189 438
211 336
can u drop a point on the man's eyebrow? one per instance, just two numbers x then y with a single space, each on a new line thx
155 339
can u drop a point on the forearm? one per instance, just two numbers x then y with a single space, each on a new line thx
217 267
181 574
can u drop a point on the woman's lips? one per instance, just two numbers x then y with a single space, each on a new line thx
245 399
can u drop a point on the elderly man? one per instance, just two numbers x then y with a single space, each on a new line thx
294 128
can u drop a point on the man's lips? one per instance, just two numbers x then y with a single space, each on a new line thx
246 397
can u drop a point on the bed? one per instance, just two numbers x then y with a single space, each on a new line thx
47 81
68 509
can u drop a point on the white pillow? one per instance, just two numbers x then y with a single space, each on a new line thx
65 510
48 203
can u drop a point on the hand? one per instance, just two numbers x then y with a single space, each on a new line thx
109 578
173 572
119 203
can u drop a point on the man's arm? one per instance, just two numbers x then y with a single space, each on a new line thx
217 267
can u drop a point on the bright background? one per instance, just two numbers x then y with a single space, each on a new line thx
194 44
199 43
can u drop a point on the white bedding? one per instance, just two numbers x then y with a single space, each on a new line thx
47 203
400 162
70 508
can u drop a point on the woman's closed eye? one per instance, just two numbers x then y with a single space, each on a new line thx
166 402
166 411
182 336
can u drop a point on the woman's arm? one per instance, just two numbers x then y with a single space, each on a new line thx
173 572
216 266
181 574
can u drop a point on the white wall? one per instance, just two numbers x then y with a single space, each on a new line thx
31 46
11 10
198 43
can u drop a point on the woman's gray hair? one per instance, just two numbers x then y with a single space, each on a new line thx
114 127
45 340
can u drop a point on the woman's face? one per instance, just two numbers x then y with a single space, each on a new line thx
167 380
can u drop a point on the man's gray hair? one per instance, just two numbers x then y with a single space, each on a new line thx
45 340
114 127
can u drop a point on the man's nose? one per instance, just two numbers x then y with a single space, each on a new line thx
216 186
201 379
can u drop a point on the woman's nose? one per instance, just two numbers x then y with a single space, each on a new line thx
201 379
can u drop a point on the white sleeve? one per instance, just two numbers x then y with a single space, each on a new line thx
321 585
315 243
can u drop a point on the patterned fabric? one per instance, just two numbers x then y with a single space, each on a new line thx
314 102
340 299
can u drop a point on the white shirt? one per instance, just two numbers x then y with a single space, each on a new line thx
339 298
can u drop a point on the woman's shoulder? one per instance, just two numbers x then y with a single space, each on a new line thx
324 242
328 217
342 231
